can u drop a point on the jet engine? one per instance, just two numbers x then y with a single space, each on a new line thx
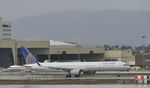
75 72
89 72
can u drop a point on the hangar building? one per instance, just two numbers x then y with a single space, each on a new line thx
10 52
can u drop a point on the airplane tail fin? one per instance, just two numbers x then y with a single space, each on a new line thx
29 58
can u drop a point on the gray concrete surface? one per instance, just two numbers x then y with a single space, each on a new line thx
55 74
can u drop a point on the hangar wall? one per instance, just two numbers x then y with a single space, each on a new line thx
10 52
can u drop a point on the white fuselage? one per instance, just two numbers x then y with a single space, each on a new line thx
88 66
16 68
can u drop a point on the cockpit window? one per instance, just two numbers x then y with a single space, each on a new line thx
125 65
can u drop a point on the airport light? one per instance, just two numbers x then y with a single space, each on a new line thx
78 52
143 37
58 55
49 55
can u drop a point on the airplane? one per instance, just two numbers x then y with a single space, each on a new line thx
75 68
15 68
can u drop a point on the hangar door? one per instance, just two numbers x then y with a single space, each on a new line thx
6 57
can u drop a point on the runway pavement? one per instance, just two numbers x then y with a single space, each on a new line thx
49 75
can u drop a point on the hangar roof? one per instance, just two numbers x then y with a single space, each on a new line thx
53 42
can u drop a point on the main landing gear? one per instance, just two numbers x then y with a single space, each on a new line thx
69 75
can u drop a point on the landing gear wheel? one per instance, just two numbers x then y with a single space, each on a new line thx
68 75
76 75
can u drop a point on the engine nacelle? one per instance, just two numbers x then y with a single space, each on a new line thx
75 72
89 72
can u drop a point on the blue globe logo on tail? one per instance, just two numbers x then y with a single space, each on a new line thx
29 58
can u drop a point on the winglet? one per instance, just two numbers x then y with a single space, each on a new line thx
29 58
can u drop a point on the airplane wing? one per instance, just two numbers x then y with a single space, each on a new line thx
64 69
69 70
